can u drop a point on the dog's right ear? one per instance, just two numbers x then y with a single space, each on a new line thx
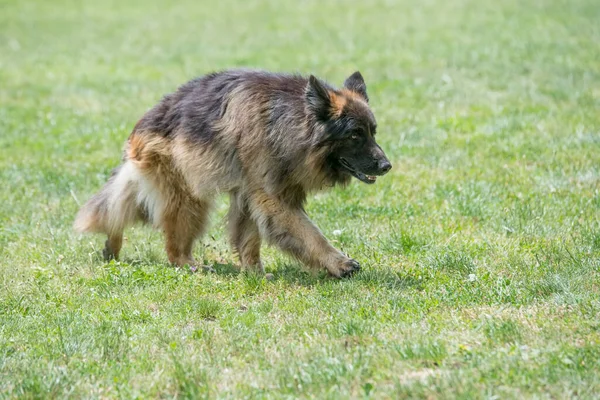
356 83
318 100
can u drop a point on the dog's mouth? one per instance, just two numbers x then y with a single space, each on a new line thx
370 179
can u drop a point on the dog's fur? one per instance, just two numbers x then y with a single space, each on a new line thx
266 139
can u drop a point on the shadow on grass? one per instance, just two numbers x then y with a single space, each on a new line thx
291 274
295 275
223 269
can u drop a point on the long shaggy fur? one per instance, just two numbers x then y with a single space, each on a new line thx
267 139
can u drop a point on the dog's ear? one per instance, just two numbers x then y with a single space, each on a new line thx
317 98
356 83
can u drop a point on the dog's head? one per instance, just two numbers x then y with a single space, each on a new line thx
347 127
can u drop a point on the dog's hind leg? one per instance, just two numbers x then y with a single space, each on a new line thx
244 234
112 246
184 221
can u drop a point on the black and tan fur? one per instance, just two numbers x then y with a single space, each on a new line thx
266 139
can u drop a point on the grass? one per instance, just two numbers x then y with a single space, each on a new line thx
480 250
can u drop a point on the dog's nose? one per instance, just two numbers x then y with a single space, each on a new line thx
384 166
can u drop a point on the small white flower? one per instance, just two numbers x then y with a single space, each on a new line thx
472 278
337 232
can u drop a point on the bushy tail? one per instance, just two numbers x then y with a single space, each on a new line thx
114 207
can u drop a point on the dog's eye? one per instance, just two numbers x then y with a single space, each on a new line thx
355 135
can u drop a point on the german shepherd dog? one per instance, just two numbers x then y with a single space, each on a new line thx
266 139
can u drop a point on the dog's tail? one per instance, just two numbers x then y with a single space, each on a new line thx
114 207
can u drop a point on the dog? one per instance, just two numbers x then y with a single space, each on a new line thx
267 139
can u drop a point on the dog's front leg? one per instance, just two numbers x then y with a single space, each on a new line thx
291 230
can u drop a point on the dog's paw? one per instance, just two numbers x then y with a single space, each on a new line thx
256 267
107 252
346 269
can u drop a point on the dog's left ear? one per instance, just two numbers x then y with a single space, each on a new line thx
318 99
356 83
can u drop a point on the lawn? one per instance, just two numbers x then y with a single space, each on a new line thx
480 250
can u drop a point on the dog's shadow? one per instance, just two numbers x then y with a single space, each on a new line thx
290 274
295 275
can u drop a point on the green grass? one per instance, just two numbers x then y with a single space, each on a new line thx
480 250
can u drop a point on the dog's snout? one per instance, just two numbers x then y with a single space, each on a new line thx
384 166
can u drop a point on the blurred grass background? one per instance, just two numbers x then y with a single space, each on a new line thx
480 249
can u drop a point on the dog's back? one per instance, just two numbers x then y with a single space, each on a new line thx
197 107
